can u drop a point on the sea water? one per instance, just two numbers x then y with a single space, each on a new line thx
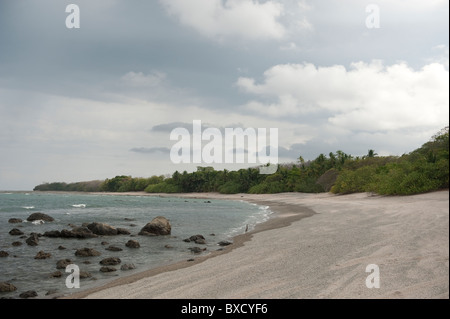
216 220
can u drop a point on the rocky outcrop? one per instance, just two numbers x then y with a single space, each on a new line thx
77 232
87 252
133 244
158 226
102 229
52 234
40 216
110 261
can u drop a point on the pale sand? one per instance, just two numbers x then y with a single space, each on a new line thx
323 255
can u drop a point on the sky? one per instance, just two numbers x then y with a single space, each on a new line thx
88 103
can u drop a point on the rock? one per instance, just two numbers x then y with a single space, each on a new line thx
17 243
40 216
85 274
7 287
127 267
110 261
113 248
56 274
87 252
52 234
224 243
15 232
107 269
33 240
102 229
104 243
168 246
78 232
63 263
51 292
158 226
198 239
133 244
28 294
61 247
129 219
196 250
123 231
14 220
42 255
4 253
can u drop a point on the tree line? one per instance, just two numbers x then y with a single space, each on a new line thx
425 169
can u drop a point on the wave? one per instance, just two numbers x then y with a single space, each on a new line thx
79 205
38 222
28 207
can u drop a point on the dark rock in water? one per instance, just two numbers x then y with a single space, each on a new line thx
110 261
28 294
198 239
104 243
224 243
63 263
61 247
78 232
196 250
133 244
113 248
85 274
7 287
191 259
123 231
212 234
52 234
158 226
56 274
129 219
102 229
127 267
4 253
40 216
51 292
33 240
168 246
42 255
208 202
15 232
87 252
17 243
14 220
107 269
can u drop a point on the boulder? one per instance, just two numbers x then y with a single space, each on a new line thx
15 232
7 287
14 220
63 263
102 229
78 232
40 216
86 252
85 274
196 250
113 248
158 226
107 269
110 261
127 267
42 255
52 234
224 243
123 231
56 274
17 243
33 240
4 253
133 244
28 294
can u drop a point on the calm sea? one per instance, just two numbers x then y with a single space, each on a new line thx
216 220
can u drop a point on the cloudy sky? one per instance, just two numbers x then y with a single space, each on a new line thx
101 100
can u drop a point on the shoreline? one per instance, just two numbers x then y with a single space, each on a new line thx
281 217
323 256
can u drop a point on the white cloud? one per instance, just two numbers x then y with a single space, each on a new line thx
139 79
367 96
248 19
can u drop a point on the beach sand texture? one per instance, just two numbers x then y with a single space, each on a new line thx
316 246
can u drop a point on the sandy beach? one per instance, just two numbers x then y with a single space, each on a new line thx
314 246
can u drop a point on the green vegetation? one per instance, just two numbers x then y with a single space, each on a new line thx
425 169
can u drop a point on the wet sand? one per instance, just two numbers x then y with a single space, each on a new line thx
314 246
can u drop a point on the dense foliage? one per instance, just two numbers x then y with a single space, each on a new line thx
425 169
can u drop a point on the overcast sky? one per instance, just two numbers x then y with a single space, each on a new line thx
101 100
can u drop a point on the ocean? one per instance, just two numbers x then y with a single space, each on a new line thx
216 220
